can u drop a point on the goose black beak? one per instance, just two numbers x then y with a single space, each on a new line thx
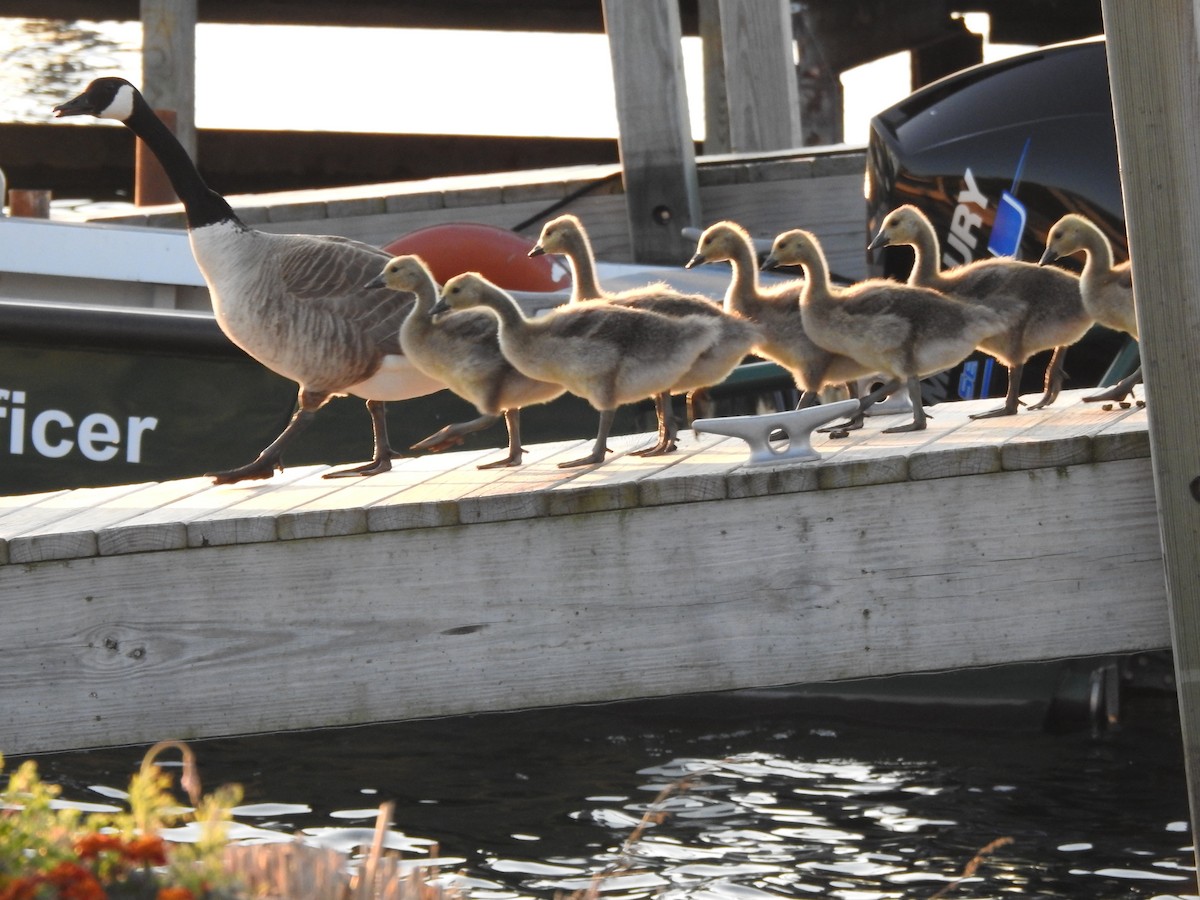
694 261
537 250
376 282
440 307
880 240
769 263
83 105
1048 257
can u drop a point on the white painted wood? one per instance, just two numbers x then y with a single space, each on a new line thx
440 588
1154 68
96 250
547 610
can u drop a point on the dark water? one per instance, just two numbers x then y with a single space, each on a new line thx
786 802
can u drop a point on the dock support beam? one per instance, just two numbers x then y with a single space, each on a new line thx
1154 67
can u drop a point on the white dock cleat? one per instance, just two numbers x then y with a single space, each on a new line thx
797 424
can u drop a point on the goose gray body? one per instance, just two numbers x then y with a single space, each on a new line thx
462 350
296 303
1105 286
902 331
1043 306
608 355
734 338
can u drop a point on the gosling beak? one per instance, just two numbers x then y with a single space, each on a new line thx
769 263
376 282
1048 257
538 250
694 261
880 240
440 307
83 105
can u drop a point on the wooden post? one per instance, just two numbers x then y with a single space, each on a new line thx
30 204
1154 67
150 183
760 75
716 104
655 143
169 63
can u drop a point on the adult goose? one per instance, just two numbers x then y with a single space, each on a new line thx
1107 288
1043 305
461 349
777 313
902 331
607 354
735 337
294 302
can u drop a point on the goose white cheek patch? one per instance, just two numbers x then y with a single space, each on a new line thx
121 107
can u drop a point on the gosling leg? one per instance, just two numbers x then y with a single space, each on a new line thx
455 434
600 447
1120 390
1012 399
271 458
1055 373
512 419
381 460
918 423
666 428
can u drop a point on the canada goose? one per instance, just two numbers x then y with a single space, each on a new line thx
903 331
294 302
1043 305
736 336
777 313
1107 289
462 351
607 354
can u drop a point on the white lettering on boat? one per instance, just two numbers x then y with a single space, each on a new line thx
963 238
52 433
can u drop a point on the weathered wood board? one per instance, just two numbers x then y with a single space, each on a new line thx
442 589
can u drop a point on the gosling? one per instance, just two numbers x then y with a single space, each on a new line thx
608 355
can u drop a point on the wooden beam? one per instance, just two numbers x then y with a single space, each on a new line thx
716 103
169 63
657 154
760 75
1154 67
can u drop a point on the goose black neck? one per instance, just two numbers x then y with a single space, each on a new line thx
203 205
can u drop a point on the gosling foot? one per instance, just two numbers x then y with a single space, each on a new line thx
263 467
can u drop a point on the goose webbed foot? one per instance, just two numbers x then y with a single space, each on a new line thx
454 434
666 429
377 466
271 458
381 461
263 467
1055 375
599 448
1118 391
919 415
1006 410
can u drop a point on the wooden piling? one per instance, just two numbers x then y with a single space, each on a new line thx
1154 67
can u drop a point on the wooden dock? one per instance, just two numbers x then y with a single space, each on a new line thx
179 609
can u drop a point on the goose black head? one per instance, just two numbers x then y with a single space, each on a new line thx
105 98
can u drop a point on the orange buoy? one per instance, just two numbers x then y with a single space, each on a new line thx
500 256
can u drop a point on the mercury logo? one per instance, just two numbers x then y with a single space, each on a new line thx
963 224
53 433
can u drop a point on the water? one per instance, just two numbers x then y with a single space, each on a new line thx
787 802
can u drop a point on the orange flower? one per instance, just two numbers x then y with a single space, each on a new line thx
175 893
74 882
20 889
89 846
147 850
